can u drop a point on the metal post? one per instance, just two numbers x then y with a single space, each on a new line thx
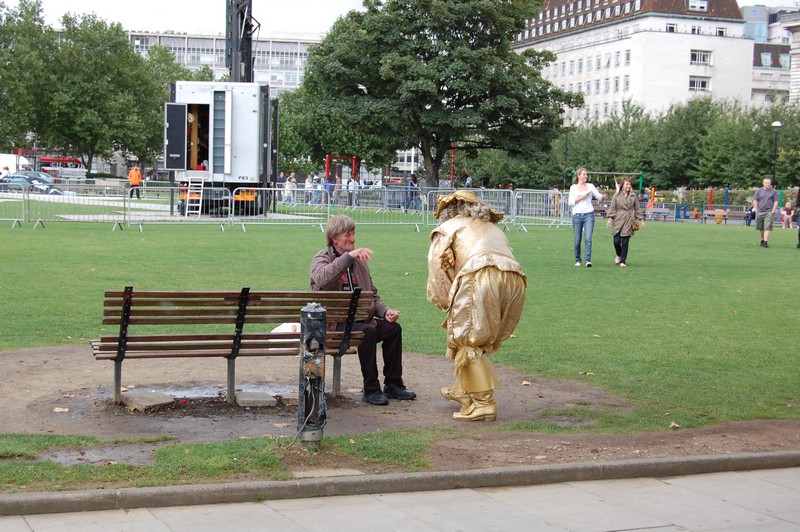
776 127
311 407
566 153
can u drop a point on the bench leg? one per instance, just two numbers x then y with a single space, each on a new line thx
118 381
231 381
337 374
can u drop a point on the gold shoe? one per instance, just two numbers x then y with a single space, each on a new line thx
483 408
452 393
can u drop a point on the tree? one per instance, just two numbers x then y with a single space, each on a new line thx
26 48
94 107
426 73
159 72
308 130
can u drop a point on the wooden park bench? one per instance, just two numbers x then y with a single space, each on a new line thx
658 213
723 215
173 324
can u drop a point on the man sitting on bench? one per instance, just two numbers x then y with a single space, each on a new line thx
342 266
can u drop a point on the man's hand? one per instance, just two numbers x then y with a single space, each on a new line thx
362 254
610 222
391 315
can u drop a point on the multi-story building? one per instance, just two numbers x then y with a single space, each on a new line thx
279 60
651 52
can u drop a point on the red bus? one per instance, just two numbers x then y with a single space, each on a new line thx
54 165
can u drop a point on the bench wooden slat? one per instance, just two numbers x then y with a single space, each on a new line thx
173 310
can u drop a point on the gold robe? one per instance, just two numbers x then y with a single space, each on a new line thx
474 277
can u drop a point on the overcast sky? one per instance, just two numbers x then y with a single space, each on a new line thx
208 16
204 16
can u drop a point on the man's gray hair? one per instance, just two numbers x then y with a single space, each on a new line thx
338 225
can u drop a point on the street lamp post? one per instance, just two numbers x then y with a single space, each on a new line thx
566 151
776 128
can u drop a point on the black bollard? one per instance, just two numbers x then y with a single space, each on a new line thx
311 408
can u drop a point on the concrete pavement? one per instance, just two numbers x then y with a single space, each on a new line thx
750 500
736 492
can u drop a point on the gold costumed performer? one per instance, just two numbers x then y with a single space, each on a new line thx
474 277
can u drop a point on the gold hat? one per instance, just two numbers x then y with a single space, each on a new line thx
466 196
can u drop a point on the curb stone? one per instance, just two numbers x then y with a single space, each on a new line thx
236 492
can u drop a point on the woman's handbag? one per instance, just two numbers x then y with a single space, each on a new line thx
635 225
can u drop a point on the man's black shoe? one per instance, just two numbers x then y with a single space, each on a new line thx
765 244
394 391
376 398
798 245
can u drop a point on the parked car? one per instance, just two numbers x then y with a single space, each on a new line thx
43 176
35 184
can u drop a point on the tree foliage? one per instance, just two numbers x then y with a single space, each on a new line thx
83 91
427 73
26 48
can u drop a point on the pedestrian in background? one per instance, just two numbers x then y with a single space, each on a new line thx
580 199
135 180
765 203
624 217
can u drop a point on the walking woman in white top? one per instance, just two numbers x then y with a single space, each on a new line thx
580 199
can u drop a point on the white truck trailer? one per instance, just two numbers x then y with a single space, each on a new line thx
217 140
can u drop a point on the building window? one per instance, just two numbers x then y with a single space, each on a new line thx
672 27
721 31
617 10
571 66
580 65
616 84
627 57
597 86
608 60
699 84
627 8
626 83
606 85
786 61
617 58
698 5
563 68
700 57
637 5
766 59
597 62
605 109
697 30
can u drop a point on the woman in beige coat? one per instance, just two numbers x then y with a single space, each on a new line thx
624 209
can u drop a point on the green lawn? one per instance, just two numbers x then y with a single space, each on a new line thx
696 327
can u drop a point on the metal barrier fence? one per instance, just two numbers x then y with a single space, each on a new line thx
392 205
67 203
12 203
539 207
